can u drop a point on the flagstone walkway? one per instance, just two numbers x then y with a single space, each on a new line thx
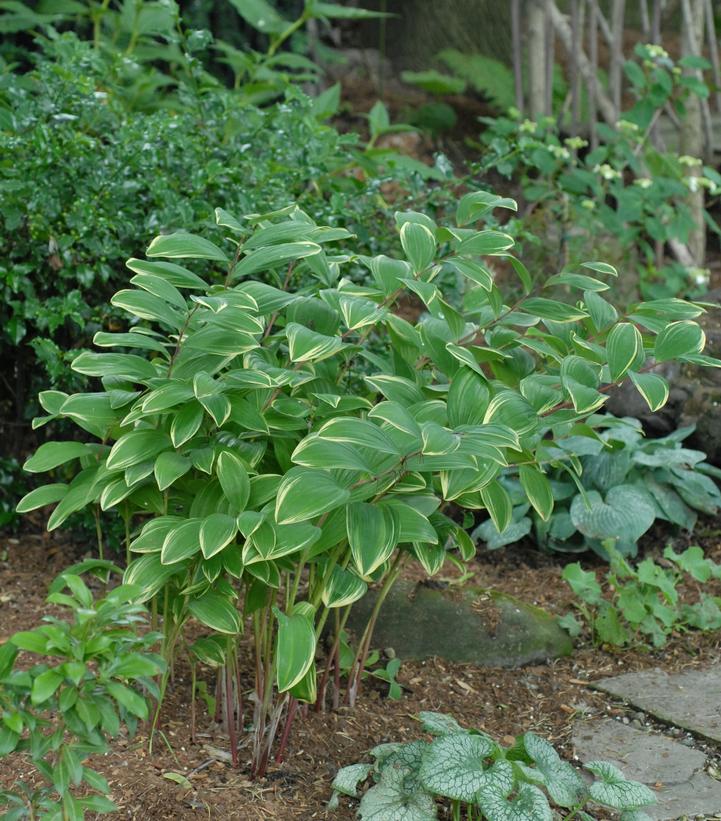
678 757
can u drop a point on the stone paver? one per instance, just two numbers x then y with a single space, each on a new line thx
691 699
674 771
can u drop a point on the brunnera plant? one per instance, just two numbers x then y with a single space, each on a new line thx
275 450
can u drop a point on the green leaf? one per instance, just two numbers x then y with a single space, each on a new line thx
45 685
552 310
186 423
184 245
234 480
174 274
498 503
135 447
216 532
122 365
623 346
305 493
486 243
327 103
614 790
261 15
181 542
295 649
132 701
438 723
336 11
216 612
53 454
537 488
343 589
601 268
40 497
583 583
373 532
170 466
679 339
458 766
265 259
308 346
652 387
419 245
476 204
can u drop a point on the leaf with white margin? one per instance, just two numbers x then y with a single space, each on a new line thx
454 766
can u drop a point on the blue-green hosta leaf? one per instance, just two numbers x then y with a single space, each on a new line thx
529 804
397 797
456 766
613 789
563 782
488 533
625 515
305 493
295 648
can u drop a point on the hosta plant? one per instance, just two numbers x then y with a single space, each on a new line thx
275 449
644 603
477 778
91 675
628 482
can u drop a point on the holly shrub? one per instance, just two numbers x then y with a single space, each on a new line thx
276 449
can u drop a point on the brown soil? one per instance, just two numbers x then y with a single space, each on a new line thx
543 698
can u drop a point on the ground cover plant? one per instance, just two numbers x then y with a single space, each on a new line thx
478 778
644 603
272 451
96 674
627 483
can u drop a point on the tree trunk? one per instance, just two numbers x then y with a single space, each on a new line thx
537 58
692 127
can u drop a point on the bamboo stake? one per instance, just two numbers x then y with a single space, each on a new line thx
656 21
537 57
